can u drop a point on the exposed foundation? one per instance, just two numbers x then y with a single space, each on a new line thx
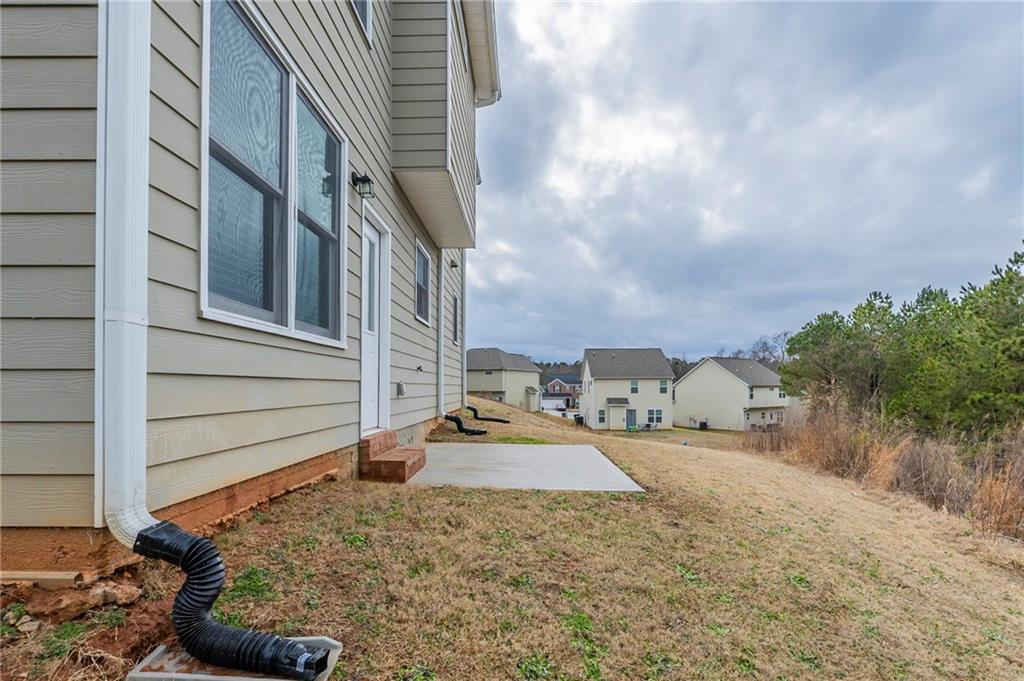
60 556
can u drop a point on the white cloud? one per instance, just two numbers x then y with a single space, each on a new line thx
976 185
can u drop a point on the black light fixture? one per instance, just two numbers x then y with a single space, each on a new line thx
453 263
363 185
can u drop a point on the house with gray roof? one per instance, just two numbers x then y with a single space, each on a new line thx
729 393
503 376
626 389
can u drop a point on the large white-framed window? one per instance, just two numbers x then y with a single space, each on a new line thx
273 194
422 284
364 16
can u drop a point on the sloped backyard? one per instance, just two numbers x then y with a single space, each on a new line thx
729 566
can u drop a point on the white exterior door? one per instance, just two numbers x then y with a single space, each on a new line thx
369 403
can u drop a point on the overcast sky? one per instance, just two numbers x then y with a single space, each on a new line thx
693 176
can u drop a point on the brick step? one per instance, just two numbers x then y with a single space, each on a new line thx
372 446
396 465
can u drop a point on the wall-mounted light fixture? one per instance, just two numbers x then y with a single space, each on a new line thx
454 264
363 185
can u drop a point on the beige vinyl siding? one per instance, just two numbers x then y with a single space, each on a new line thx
420 73
228 403
47 243
462 121
453 350
481 381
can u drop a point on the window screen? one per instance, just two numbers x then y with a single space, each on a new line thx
246 174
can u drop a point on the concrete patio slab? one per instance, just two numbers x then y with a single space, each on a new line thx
505 466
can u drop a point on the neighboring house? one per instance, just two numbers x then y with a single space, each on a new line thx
556 401
729 394
233 245
562 384
626 388
503 376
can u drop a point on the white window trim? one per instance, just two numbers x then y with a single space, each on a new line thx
415 266
367 30
296 83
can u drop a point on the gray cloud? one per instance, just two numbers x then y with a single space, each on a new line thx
693 176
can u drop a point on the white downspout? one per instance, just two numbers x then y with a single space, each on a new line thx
125 231
440 332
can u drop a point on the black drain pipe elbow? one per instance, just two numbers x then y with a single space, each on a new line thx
461 426
476 415
203 637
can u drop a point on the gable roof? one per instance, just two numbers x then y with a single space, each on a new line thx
568 379
627 363
750 371
478 359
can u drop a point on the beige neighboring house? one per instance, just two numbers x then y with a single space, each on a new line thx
503 376
626 388
233 247
726 393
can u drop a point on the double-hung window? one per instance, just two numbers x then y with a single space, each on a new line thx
600 415
654 416
422 284
274 195
634 386
663 386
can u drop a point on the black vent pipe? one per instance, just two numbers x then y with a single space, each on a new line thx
462 428
476 415
203 637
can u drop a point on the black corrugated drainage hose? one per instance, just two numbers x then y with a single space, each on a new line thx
476 415
203 637
462 428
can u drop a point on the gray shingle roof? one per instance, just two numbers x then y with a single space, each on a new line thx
495 358
750 371
627 363
568 379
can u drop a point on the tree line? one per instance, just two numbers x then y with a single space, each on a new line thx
941 362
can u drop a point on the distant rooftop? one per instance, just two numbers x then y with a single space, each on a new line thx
750 371
478 359
627 363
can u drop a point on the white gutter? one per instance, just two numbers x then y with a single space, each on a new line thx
124 191
440 332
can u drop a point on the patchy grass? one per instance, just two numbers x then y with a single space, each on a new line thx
521 440
779 573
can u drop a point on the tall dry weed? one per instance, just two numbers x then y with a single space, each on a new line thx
982 480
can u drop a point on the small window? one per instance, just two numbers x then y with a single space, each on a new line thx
762 416
456 319
422 284
782 393
663 386
650 416
364 14
657 416
634 386
751 393
600 415
488 372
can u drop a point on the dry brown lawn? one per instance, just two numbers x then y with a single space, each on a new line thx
730 566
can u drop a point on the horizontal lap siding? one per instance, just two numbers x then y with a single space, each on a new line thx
228 403
47 245
462 122
420 84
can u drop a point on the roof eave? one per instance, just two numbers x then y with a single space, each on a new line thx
482 33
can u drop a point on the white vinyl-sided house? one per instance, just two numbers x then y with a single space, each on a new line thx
626 389
727 393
